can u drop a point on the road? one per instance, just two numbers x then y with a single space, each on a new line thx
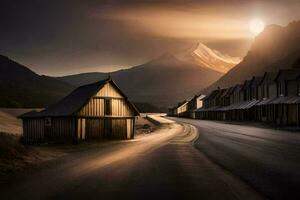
162 165
267 159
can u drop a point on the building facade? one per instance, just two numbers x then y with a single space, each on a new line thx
95 111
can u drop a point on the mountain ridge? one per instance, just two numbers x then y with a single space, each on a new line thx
159 81
21 87
275 48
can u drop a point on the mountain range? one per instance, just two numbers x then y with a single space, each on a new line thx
21 87
162 81
275 48
165 80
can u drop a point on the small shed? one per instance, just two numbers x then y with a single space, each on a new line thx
96 111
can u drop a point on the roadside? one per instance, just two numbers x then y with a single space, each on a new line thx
16 157
164 164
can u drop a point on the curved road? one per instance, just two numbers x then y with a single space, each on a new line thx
163 165
267 159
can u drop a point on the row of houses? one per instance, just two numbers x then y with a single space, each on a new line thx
187 108
273 98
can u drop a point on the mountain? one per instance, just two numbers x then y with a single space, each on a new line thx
206 57
21 87
275 48
162 81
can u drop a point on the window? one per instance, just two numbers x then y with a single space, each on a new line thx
107 106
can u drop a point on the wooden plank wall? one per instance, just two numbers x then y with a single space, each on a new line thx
108 90
120 108
95 107
33 130
119 129
61 129
95 128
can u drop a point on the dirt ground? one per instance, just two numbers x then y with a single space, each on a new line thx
16 157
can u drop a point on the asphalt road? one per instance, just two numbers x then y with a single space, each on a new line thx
267 159
163 165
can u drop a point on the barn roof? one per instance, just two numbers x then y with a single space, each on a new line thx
72 103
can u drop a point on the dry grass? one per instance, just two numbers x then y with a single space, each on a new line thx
15 156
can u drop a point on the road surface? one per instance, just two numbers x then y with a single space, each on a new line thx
267 159
163 165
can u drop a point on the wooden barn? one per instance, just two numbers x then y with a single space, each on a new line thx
96 111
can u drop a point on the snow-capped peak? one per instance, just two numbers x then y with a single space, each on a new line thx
206 57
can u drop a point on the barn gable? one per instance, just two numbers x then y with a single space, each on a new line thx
118 103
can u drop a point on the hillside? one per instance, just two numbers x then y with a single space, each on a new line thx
275 48
162 82
21 87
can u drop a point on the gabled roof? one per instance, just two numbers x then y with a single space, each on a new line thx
230 91
287 74
227 92
220 93
211 95
269 78
246 85
255 81
72 103
237 88
197 96
182 103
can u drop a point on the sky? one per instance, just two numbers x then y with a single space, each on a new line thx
62 37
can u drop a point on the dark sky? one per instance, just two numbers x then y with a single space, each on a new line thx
58 37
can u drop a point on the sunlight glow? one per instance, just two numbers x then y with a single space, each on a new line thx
256 26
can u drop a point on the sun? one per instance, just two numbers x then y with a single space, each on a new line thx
256 26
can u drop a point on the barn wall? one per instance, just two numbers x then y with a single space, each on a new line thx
95 128
60 129
120 108
105 128
119 129
33 130
94 107
108 90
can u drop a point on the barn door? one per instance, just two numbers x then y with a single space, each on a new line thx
108 128
47 128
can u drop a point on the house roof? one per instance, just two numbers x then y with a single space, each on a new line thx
211 95
246 85
269 78
255 81
221 93
287 74
197 96
237 88
72 103
227 92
